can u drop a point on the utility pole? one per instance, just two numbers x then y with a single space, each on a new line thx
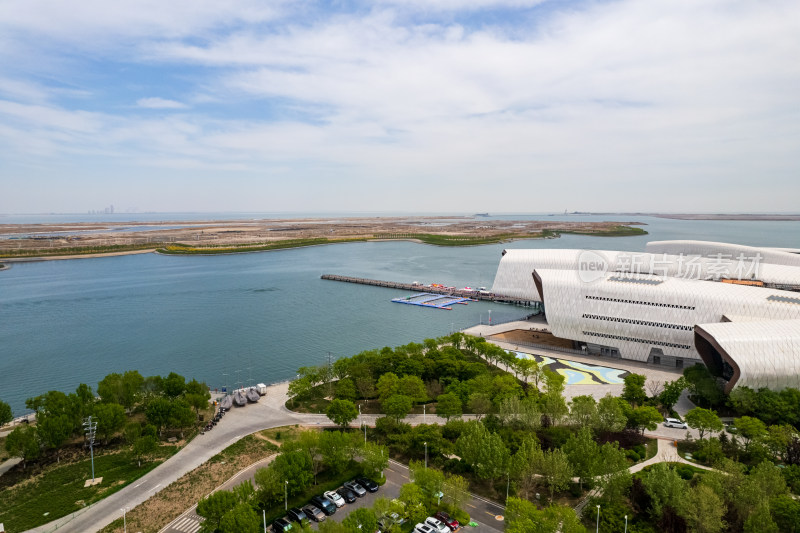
90 428
426 455
286 495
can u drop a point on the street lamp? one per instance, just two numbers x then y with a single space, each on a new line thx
508 484
286 495
124 521
597 529
626 523
426 454
424 417
362 423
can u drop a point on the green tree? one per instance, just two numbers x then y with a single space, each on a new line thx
786 512
456 491
448 405
22 443
583 411
144 446
181 415
174 385
479 403
525 465
703 510
645 417
414 499
665 488
213 507
387 385
342 412
610 416
430 480
309 441
413 387
374 459
294 465
486 452
346 390
672 393
750 429
53 431
703 420
633 391
197 402
338 449
5 413
123 389
397 406
158 412
522 516
110 419
361 520
583 454
556 471
241 519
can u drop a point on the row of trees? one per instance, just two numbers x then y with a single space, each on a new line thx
167 402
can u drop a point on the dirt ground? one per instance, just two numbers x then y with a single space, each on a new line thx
239 232
532 336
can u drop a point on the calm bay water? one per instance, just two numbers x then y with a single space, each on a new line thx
263 314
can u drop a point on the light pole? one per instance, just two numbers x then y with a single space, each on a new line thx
124 521
363 423
626 523
424 416
426 454
90 428
286 495
597 529
508 485
264 517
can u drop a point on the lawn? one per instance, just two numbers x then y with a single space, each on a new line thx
59 490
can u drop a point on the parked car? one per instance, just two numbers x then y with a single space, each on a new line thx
333 496
355 487
324 504
297 515
452 523
387 521
675 423
423 528
315 513
368 484
437 525
281 525
348 495
730 428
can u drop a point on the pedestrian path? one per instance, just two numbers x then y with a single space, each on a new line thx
188 524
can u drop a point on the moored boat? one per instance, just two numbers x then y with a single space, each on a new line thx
226 403
238 399
252 395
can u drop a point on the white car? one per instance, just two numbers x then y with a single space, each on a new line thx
333 496
423 528
437 525
675 423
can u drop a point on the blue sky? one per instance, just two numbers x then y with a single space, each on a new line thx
416 105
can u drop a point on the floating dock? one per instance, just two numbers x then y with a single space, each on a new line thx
462 293
437 301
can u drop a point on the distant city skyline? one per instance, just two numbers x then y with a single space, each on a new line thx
454 106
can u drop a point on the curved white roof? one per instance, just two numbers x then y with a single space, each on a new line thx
732 251
513 276
763 353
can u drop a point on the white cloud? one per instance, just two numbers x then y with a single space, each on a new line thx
628 104
159 103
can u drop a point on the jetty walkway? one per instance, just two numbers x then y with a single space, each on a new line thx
435 289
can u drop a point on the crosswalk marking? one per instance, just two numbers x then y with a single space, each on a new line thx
187 524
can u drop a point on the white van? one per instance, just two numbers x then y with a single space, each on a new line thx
675 423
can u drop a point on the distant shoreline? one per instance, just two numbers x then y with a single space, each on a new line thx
705 216
36 242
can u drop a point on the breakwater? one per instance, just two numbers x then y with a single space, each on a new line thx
435 289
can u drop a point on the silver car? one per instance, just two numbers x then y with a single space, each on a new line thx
437 525
337 500
355 487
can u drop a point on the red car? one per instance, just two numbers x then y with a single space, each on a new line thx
452 523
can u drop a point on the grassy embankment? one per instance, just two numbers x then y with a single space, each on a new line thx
169 503
426 238
58 491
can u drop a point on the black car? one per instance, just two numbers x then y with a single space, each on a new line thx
297 515
368 484
281 525
327 506
348 495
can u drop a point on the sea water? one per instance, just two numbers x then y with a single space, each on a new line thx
257 317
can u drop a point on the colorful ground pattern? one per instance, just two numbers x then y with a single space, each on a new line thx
579 373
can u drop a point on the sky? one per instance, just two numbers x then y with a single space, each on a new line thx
400 106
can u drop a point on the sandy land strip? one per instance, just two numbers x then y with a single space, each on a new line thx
76 256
